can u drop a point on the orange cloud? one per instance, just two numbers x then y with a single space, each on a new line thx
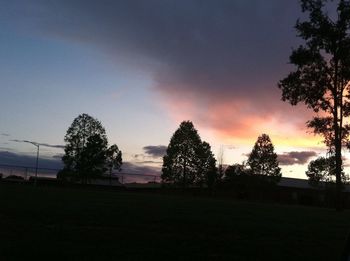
240 120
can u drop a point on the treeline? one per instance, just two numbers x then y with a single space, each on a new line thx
188 161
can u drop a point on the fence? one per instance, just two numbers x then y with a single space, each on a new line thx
26 172
125 177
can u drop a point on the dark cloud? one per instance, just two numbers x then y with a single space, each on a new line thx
151 162
138 156
155 151
138 173
296 157
58 156
5 134
137 168
41 144
51 145
11 158
6 149
210 60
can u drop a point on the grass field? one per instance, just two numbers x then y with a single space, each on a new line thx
80 224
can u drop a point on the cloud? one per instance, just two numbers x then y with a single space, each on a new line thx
295 157
5 134
139 173
214 62
137 168
155 151
6 149
51 145
41 144
58 156
11 158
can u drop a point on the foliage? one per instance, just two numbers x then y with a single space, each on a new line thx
188 160
113 158
322 74
234 171
263 160
207 171
83 127
322 169
93 157
86 153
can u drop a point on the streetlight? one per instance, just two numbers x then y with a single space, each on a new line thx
37 158
37 161
37 145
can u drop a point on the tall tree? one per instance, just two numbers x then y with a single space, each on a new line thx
83 128
322 74
263 160
113 159
207 171
187 160
92 162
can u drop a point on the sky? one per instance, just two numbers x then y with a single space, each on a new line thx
142 67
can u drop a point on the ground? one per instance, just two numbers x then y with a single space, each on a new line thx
38 223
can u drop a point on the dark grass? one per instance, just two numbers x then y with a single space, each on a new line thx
80 224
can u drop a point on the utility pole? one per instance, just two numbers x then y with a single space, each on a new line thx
37 163
37 160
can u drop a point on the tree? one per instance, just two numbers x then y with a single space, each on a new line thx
318 170
113 159
322 74
207 171
188 160
322 169
93 158
84 137
263 160
234 171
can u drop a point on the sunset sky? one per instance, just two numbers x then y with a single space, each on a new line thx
141 67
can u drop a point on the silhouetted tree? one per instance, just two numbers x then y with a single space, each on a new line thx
93 158
187 160
113 159
319 170
207 171
83 128
263 160
323 169
234 171
322 74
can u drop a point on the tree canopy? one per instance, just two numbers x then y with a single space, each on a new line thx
92 161
322 169
188 160
263 160
86 151
113 158
322 73
235 170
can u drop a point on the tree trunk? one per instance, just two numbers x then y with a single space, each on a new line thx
184 174
338 165
337 145
337 121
